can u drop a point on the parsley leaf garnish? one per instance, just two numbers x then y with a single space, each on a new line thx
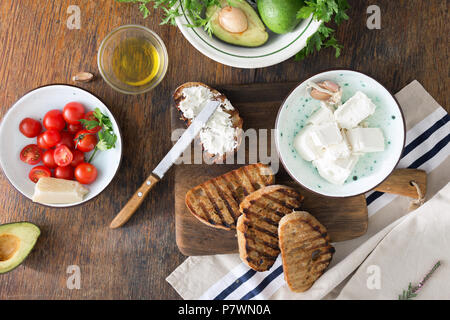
323 10
106 136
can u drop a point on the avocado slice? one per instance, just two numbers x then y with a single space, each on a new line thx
280 16
255 33
16 242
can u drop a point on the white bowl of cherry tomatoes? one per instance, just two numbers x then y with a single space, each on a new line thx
63 132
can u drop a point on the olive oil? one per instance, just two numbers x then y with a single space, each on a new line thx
135 61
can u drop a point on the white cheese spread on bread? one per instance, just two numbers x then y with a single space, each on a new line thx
219 135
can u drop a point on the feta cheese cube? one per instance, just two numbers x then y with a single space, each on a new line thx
366 139
338 151
305 146
336 171
354 110
326 134
323 114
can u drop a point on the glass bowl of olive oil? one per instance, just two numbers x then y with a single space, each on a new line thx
132 59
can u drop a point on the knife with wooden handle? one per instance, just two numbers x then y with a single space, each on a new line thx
185 140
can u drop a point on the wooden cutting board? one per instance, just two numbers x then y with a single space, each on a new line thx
258 105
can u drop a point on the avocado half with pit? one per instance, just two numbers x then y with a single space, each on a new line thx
236 22
16 242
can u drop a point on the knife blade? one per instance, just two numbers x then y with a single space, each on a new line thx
186 139
180 146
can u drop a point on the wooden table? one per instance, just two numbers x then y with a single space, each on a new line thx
36 48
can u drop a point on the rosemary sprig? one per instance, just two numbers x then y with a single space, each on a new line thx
412 291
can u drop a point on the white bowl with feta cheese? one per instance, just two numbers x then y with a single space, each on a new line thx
344 144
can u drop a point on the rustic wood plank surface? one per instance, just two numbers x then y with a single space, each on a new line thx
36 48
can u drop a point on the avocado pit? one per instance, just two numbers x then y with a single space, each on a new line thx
9 244
233 19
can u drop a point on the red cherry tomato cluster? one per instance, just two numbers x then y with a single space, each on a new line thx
62 146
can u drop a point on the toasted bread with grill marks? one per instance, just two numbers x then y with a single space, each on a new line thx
216 201
305 249
257 227
234 114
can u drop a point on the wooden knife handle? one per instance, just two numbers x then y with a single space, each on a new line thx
400 182
133 204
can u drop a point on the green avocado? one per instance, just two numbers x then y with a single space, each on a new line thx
16 242
280 16
255 35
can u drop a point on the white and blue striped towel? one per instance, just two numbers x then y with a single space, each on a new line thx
427 148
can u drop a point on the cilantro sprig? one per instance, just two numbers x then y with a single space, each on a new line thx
106 136
326 11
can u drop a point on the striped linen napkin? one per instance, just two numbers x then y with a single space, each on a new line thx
223 277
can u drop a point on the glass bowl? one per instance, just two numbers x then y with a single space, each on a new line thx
106 55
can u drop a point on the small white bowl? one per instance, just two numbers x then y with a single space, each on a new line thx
277 49
372 168
35 104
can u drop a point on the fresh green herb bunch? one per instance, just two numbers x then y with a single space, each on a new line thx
325 11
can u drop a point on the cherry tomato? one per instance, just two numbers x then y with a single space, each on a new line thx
41 143
30 128
38 172
31 154
48 159
64 173
85 173
66 139
63 156
72 112
74 128
51 137
54 120
85 141
78 157
90 117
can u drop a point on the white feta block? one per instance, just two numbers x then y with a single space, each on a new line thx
305 146
326 134
354 110
323 114
335 171
366 140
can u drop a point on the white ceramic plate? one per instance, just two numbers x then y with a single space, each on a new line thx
277 49
372 168
34 105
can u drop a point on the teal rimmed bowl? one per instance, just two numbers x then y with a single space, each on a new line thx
372 168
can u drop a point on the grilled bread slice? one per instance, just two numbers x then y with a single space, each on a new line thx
236 120
216 201
305 249
257 227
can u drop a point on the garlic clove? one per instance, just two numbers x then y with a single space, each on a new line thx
330 85
319 95
83 77
327 85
